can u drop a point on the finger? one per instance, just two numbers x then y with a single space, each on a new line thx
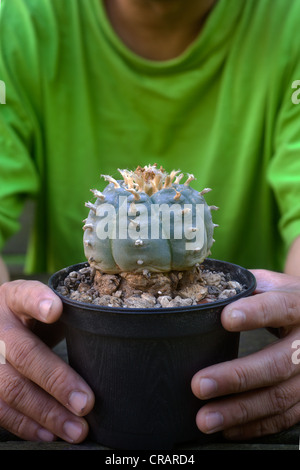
264 368
265 426
268 309
21 425
269 280
27 399
249 406
34 360
30 299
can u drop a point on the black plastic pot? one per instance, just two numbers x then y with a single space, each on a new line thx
140 363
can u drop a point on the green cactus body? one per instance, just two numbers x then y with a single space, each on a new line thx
148 221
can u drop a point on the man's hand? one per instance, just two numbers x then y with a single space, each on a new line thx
264 387
41 397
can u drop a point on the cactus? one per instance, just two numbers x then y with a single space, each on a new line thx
149 221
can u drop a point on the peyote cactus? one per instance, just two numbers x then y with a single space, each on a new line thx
148 222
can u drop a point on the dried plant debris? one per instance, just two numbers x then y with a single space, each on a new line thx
149 290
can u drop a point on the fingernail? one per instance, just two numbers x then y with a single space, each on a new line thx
45 435
207 387
213 422
78 401
73 430
45 307
236 318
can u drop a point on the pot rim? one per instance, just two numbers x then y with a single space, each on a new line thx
208 263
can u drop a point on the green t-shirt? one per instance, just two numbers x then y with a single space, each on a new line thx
80 104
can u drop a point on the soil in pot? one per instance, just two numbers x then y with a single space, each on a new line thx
150 290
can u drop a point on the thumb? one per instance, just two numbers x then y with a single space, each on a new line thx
30 299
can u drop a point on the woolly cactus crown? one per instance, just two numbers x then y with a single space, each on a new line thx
149 221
